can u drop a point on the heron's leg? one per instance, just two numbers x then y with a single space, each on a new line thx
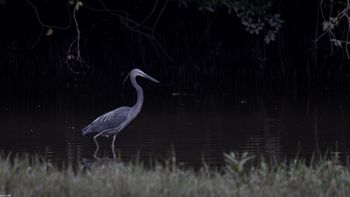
112 146
114 136
113 152
95 139
97 145
95 153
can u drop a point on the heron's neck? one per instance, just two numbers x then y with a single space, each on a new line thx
139 93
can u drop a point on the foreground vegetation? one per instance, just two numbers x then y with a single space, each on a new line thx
24 176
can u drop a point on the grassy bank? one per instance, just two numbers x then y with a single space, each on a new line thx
29 177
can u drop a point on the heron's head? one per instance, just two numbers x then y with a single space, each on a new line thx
137 72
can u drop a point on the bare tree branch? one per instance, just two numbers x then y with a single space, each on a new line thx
50 26
137 27
331 26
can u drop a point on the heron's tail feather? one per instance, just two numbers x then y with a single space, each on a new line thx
86 130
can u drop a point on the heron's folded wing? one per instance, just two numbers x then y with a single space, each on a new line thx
108 121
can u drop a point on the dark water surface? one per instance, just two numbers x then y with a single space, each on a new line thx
196 127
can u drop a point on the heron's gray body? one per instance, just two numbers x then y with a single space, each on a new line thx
111 123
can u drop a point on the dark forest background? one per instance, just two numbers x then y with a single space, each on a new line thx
186 44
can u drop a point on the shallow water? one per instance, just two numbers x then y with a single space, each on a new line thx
195 127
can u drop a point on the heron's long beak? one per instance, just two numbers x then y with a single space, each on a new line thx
150 78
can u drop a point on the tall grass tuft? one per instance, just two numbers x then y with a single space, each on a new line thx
30 176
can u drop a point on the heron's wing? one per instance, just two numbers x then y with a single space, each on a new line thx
108 121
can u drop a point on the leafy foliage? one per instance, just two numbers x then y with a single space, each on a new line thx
336 23
255 15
